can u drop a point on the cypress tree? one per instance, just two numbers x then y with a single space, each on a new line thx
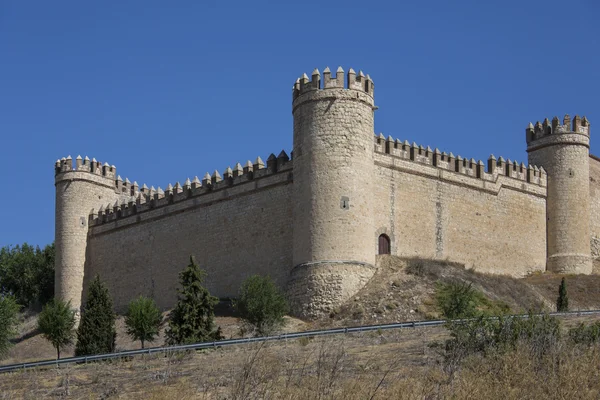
192 319
562 303
96 333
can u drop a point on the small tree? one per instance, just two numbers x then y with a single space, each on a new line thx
562 302
96 333
456 300
192 319
261 304
56 322
9 321
143 319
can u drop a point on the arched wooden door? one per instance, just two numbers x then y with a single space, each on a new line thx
384 244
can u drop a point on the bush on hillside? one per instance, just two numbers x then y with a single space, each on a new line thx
27 273
192 319
485 335
9 310
143 320
585 334
261 304
461 300
56 322
96 333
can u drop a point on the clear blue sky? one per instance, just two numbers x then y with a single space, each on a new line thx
169 90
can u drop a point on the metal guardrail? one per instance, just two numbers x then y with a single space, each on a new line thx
283 336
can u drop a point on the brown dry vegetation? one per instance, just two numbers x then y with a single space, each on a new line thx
399 364
404 290
404 364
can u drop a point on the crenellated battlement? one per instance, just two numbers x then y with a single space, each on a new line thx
85 165
350 81
146 199
546 128
488 171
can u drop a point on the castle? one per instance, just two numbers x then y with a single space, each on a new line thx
316 222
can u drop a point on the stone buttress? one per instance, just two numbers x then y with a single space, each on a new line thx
562 149
333 254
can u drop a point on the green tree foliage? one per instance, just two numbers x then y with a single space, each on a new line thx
192 319
261 304
56 322
497 334
562 302
143 320
96 333
9 310
461 300
27 273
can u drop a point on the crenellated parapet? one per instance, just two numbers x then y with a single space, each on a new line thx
488 171
146 199
340 80
554 131
85 165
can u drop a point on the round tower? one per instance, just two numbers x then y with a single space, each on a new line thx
563 151
79 191
333 165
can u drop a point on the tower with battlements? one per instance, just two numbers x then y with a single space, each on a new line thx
320 222
563 150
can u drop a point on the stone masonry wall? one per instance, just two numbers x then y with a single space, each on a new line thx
233 232
493 223
595 205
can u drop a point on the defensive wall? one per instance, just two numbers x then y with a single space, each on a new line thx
314 222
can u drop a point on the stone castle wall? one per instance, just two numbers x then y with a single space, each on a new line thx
313 223
437 206
595 206
234 227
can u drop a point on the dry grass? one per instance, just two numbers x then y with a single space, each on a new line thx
388 365
404 290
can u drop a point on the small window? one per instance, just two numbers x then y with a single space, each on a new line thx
384 244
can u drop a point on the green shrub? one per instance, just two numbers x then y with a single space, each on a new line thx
56 322
492 334
9 310
585 334
562 302
96 333
143 320
461 300
261 304
192 319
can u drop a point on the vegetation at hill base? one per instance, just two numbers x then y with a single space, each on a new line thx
96 333
9 310
56 323
143 320
27 273
562 302
461 300
261 304
192 319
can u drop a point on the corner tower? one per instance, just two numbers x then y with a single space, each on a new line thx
563 151
79 190
334 237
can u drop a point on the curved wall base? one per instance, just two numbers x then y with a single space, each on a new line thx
317 288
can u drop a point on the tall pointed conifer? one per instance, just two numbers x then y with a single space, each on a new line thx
192 319
96 333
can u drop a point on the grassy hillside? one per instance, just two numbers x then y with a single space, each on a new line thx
407 364
400 364
404 290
